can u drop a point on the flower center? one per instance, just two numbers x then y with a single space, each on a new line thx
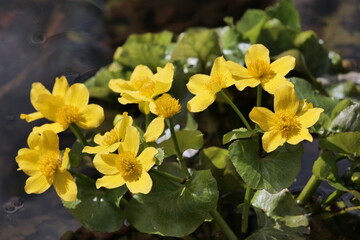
110 138
66 115
129 167
144 84
287 124
260 70
216 83
48 163
167 106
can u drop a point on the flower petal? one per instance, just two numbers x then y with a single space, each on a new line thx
77 95
32 116
37 184
120 85
106 163
163 79
147 158
200 102
60 87
197 83
283 65
302 135
65 186
91 117
219 66
49 105
55 127
263 117
154 130
285 99
237 70
144 107
33 140
140 72
143 185
310 117
257 52
110 181
249 82
27 159
37 89
49 142
120 127
131 141
277 81
65 159
101 149
272 140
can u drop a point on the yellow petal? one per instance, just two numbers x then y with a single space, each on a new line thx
200 102
55 127
197 83
32 116
37 184
272 84
140 72
257 52
237 70
91 117
154 130
60 87
263 117
49 105
310 117
283 65
77 95
147 158
33 140
163 79
106 163
101 149
272 140
65 185
120 85
27 160
65 159
302 135
219 66
249 82
120 127
144 107
131 141
110 181
143 185
285 99
49 142
37 89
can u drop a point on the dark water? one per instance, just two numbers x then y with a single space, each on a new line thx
43 39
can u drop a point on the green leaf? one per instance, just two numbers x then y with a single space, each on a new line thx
251 24
340 107
229 39
216 156
237 133
287 13
201 44
348 120
149 49
175 209
76 155
186 138
325 167
273 172
346 142
304 90
97 209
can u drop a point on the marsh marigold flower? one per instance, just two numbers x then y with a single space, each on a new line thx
290 121
46 166
260 71
164 106
205 87
127 167
65 105
110 141
143 85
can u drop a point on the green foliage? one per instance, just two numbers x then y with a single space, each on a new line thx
217 156
76 155
345 142
237 133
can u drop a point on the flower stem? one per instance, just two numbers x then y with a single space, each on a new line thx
223 225
259 96
177 148
81 176
78 133
332 198
233 106
168 175
309 189
245 210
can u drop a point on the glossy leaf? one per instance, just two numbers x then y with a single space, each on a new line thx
348 120
325 167
217 156
236 134
346 142
287 13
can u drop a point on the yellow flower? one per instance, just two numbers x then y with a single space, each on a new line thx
260 71
65 105
143 86
46 166
289 123
127 167
111 140
164 106
205 87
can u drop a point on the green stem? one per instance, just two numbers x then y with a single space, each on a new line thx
177 148
332 198
168 175
245 210
309 189
233 106
223 225
78 133
81 176
259 96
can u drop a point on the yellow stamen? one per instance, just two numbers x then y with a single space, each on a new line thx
48 163
216 83
287 123
144 84
129 167
110 138
67 114
167 106
260 70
